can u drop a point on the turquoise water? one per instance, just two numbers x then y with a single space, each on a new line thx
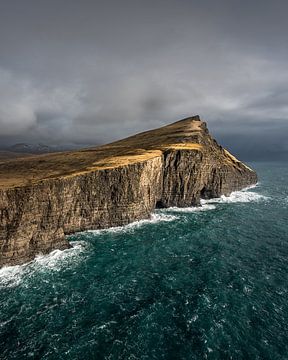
191 284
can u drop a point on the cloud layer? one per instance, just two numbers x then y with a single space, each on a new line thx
88 72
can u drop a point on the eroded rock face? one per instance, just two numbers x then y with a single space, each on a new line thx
172 166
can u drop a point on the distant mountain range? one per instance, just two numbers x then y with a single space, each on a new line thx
40 148
26 149
34 148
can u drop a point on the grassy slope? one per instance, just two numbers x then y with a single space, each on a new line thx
9 155
183 134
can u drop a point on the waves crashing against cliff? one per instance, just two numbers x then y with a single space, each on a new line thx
44 198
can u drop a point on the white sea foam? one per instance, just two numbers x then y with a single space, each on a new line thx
193 209
154 219
251 187
11 276
56 259
243 196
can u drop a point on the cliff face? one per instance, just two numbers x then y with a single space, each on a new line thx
46 197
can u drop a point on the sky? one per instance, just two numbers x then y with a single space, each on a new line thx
91 71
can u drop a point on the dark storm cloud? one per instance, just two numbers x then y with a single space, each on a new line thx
92 71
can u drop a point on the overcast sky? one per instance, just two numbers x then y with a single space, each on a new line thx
91 71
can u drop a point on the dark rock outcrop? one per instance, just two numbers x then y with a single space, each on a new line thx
46 197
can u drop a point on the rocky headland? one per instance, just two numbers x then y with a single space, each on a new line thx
45 197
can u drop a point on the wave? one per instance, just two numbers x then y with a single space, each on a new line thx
250 187
193 209
154 219
59 257
242 196
11 276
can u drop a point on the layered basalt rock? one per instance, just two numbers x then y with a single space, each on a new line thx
44 198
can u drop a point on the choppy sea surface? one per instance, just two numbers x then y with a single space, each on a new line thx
196 283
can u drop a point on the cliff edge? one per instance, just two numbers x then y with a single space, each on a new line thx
45 197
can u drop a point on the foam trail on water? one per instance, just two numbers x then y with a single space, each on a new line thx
243 196
57 258
193 209
11 276
155 218
250 187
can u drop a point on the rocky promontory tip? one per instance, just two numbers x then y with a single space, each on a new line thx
45 197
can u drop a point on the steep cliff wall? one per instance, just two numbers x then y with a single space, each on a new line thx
43 199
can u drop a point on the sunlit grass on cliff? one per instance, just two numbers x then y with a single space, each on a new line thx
182 135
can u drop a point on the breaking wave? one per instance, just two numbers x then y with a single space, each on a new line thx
154 219
193 209
57 258
11 276
243 196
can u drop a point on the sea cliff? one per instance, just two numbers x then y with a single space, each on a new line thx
45 197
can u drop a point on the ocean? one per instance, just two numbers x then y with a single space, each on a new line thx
195 283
